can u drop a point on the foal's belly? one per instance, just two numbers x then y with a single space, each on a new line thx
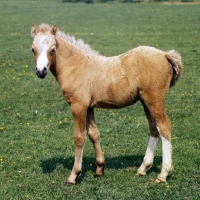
112 104
116 99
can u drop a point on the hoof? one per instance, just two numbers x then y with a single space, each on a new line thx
68 184
140 174
159 181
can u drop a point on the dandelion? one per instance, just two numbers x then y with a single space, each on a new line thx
90 165
1 128
159 166
60 122
28 123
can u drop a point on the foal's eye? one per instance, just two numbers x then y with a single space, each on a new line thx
53 50
32 50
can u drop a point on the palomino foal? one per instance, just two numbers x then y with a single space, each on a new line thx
89 80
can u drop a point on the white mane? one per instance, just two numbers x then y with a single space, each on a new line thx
79 43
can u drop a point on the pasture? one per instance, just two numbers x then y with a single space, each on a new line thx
36 126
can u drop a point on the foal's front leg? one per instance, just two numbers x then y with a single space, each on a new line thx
79 113
94 136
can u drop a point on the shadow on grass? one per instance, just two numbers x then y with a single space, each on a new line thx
48 166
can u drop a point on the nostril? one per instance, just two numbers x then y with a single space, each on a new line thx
36 69
44 71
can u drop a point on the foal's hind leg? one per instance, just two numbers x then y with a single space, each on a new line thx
165 134
154 135
164 128
94 136
163 125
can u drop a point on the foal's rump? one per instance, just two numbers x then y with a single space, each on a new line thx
156 69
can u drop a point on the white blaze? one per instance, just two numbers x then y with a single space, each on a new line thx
43 43
42 61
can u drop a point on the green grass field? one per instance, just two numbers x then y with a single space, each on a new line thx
36 127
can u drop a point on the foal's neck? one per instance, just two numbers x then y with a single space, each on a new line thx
67 58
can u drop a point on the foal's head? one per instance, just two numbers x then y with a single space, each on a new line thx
43 47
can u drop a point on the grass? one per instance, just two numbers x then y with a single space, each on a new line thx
36 127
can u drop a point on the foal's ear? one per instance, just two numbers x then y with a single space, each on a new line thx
34 30
54 30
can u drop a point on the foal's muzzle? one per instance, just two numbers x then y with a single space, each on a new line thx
41 73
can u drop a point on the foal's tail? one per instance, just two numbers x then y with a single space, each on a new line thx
175 61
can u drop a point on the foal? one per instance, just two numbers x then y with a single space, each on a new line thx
89 80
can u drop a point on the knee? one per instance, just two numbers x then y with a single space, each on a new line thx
79 140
